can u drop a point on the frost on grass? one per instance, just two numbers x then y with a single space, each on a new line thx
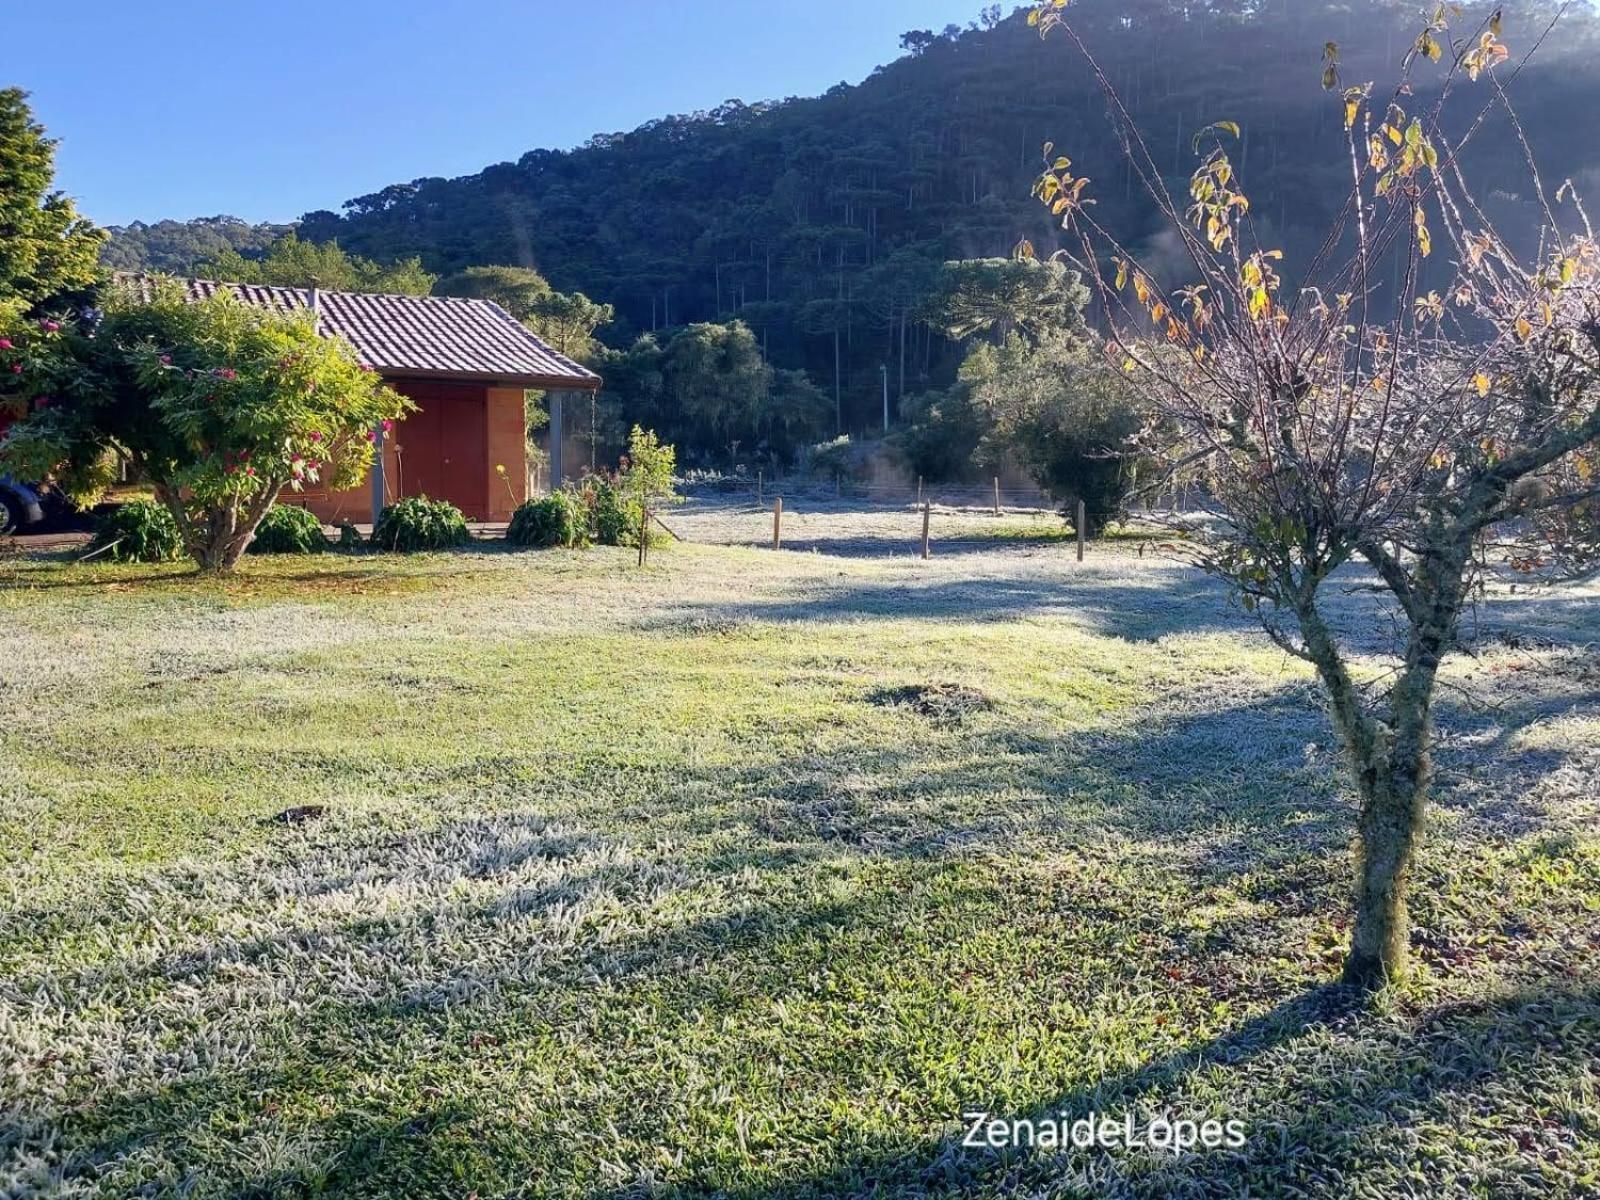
626 876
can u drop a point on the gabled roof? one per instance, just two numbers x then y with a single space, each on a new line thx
416 337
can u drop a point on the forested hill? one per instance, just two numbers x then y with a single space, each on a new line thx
810 215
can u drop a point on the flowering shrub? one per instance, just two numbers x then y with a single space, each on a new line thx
140 531
289 530
559 519
219 405
417 523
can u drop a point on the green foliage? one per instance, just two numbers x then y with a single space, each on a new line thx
1061 414
997 296
616 503
292 262
139 531
709 386
647 470
560 519
221 406
418 523
46 248
175 247
288 529
834 457
513 288
613 520
763 211
941 434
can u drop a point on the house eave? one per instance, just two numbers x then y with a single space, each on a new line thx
545 382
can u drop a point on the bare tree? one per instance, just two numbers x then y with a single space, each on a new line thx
1431 433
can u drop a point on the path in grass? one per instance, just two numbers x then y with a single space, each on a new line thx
673 880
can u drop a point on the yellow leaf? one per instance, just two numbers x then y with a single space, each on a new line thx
1481 382
1524 329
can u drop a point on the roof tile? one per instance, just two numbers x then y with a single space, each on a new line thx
418 336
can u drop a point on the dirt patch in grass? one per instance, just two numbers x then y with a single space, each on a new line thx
936 701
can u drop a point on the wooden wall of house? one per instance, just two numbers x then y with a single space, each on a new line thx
466 452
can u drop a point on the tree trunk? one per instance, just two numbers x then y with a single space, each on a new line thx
218 541
1392 759
1391 819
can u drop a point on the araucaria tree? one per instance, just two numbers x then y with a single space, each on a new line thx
220 406
1376 405
46 248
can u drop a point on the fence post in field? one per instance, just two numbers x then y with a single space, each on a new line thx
926 511
1083 521
997 495
644 535
759 482
777 523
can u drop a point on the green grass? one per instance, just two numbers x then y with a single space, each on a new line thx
633 883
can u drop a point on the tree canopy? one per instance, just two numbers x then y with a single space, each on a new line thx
46 248
218 404
291 262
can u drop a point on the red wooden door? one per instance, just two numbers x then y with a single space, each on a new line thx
444 447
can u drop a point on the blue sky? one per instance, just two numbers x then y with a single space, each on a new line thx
187 108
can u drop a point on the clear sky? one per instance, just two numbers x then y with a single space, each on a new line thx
188 108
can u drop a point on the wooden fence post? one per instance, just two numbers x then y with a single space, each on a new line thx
777 523
1083 534
644 535
926 510
997 495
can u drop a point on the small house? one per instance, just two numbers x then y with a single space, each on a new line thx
466 365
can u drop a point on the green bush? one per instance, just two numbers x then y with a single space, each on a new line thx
613 515
558 519
288 530
140 531
417 523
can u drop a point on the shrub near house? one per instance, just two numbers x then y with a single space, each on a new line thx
221 406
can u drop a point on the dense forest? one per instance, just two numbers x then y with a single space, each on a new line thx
820 223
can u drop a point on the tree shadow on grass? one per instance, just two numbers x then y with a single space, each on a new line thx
1208 796
1171 603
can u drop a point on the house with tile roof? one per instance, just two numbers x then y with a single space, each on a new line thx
464 363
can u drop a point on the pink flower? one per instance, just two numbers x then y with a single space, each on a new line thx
49 326
249 470
166 360
388 426
244 456
227 373
372 436
315 436
16 368
5 344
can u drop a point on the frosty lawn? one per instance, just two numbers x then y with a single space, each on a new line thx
635 881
